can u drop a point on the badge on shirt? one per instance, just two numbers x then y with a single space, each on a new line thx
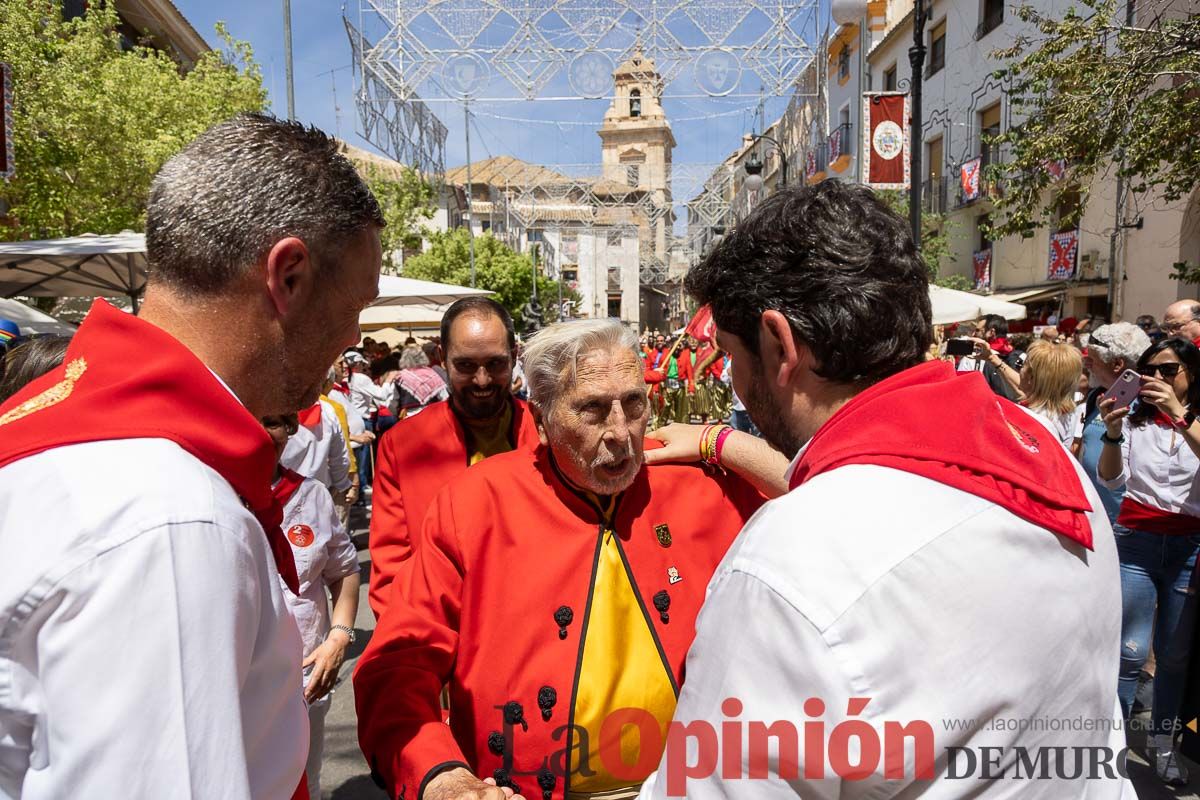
300 535
673 575
664 535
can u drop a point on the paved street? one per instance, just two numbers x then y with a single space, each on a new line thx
345 774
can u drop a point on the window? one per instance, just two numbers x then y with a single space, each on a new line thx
844 63
633 174
889 79
485 225
535 235
981 231
614 238
635 103
989 126
614 279
570 275
990 17
935 186
1068 212
614 305
73 9
937 49
935 153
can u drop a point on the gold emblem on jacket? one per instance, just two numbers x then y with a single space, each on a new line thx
52 396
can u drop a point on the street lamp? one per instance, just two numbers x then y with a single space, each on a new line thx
754 165
916 58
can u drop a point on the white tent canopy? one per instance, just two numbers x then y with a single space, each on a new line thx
78 266
950 305
397 291
31 321
422 316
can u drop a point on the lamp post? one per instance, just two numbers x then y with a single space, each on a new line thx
916 58
754 165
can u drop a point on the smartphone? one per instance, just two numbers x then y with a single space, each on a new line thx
1126 389
959 347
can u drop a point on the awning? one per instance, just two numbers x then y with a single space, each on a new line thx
1032 295
397 291
77 266
407 317
30 320
951 305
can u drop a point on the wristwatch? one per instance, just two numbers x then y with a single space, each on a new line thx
1186 422
346 629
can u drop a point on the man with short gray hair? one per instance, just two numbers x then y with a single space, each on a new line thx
554 591
145 624
1182 319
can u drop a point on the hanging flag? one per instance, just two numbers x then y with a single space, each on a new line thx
983 268
1056 169
885 140
969 176
810 164
7 169
835 145
1062 255
702 327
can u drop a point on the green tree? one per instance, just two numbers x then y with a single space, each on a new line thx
1100 97
935 238
94 121
498 268
406 200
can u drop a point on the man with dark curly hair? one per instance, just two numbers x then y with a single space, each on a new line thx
938 555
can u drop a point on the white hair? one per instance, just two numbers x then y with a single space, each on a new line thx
1118 340
551 356
413 356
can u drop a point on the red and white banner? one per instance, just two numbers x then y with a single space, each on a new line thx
1063 247
969 177
702 327
983 268
7 169
835 145
1056 169
885 140
810 164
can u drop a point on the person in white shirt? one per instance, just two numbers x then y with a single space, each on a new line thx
319 451
325 559
1153 451
935 568
366 395
147 648
1049 381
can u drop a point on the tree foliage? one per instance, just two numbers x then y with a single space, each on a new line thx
498 268
935 232
94 120
405 201
1091 96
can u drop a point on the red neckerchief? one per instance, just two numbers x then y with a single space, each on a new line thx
311 416
123 378
1160 418
343 387
286 486
1001 346
951 428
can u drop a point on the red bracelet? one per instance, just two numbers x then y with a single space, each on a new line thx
720 445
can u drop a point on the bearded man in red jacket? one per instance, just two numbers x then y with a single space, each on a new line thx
423 453
554 591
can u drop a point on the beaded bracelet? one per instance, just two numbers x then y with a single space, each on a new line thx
720 445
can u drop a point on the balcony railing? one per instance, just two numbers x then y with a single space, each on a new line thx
989 23
936 194
840 142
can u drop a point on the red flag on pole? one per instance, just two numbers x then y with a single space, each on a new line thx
702 327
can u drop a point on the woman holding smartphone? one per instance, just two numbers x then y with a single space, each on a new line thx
1154 452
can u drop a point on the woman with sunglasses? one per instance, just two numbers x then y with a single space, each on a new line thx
1153 451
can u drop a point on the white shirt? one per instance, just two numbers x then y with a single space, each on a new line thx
935 605
1158 469
324 554
354 420
366 395
145 646
1063 426
320 452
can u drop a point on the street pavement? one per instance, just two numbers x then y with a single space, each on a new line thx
345 775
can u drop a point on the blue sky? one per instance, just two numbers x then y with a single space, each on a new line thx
706 129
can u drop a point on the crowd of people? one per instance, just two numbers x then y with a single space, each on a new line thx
578 565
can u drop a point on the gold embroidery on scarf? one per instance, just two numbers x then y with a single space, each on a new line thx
52 396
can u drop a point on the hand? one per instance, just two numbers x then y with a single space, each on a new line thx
351 496
326 660
1161 395
389 376
982 348
366 437
682 443
1112 417
460 784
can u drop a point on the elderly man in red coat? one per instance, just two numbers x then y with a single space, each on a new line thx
421 454
554 591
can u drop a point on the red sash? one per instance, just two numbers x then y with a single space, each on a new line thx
123 378
952 429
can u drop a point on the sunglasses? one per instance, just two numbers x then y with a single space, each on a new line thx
1168 371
